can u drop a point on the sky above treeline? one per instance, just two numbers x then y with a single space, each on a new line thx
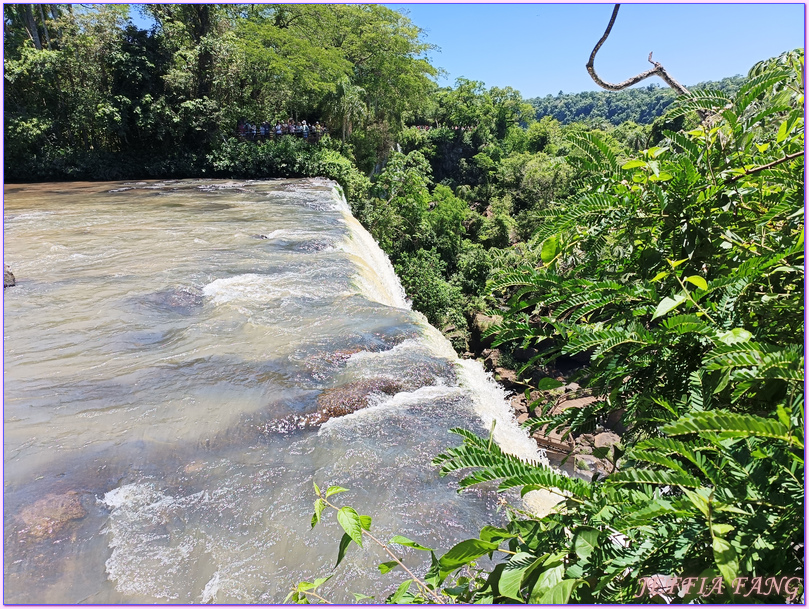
541 49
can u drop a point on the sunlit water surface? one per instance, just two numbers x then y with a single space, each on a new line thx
162 341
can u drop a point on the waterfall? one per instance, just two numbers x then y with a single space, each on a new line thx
184 331
379 283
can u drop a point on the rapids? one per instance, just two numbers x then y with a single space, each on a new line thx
157 335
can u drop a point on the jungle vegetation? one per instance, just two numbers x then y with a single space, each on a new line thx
661 243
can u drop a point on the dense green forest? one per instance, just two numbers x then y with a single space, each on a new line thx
638 104
657 239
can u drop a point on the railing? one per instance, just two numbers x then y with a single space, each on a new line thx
312 137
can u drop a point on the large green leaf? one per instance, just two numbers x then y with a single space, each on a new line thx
514 572
559 594
345 541
550 249
726 559
319 505
668 304
386 567
397 596
548 578
463 553
585 542
351 523
404 541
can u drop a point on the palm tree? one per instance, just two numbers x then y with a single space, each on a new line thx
348 105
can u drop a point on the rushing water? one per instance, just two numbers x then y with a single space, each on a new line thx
165 350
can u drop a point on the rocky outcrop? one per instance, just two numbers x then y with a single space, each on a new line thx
480 323
337 402
49 515
8 277
348 398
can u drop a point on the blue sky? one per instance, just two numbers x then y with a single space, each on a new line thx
541 49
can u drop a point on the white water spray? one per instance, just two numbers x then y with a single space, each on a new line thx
378 282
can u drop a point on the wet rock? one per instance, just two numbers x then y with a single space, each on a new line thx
553 440
480 324
314 246
183 300
351 397
587 466
491 359
586 439
519 404
508 378
615 421
606 439
524 355
577 403
50 515
522 418
8 277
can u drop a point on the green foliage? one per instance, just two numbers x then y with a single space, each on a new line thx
718 497
678 272
103 93
641 105
422 276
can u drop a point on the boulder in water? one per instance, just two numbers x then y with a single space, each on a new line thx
348 398
8 277
51 514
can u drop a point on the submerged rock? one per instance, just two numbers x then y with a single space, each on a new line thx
351 397
183 301
50 515
8 277
337 402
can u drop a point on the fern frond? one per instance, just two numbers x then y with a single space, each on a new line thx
754 87
648 476
729 424
596 152
689 148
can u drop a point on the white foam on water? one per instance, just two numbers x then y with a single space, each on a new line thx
407 346
143 561
288 232
379 282
251 288
376 278
153 557
211 589
382 405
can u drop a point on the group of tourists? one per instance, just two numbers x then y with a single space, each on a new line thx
266 130
455 128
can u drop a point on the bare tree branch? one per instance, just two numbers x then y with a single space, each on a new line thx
753 170
658 69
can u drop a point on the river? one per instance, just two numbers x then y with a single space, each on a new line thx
167 349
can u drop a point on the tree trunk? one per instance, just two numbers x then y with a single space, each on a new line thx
44 26
31 25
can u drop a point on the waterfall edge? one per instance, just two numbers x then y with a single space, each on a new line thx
378 282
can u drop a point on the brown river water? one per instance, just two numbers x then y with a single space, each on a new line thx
165 349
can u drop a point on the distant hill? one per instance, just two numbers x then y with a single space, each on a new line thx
642 105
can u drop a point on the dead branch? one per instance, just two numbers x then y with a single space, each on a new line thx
658 69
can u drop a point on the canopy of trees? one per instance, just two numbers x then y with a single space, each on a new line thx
81 81
641 105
